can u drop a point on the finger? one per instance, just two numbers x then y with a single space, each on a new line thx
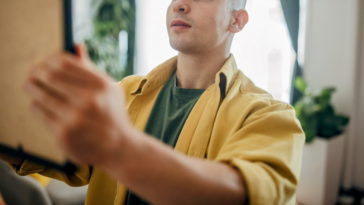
55 83
46 117
53 106
73 67
82 52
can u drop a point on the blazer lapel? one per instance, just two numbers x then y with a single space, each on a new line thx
196 132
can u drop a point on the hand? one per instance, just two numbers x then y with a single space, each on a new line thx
82 108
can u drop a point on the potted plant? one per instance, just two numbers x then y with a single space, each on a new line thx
112 18
324 149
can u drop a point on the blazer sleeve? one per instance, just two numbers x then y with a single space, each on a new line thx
267 151
80 178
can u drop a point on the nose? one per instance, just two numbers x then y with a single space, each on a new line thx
180 6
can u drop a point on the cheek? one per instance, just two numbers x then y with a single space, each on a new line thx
222 21
168 15
207 21
211 26
214 18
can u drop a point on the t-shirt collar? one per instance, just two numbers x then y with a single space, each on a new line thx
158 76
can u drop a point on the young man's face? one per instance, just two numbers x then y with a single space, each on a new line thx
205 24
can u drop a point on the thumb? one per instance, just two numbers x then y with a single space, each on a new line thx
82 52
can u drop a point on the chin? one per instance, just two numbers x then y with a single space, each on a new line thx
184 46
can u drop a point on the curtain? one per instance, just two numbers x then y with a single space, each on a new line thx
291 11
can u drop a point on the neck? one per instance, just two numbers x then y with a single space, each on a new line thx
197 71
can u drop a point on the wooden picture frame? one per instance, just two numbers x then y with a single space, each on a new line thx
30 30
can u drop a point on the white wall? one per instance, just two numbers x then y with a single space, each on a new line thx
331 59
152 45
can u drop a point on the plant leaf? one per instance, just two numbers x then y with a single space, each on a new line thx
300 84
325 97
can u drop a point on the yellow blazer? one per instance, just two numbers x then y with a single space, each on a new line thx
234 121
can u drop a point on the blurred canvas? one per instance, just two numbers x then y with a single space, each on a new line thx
29 30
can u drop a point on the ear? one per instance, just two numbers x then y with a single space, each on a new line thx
240 19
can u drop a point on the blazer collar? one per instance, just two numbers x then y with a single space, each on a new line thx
158 76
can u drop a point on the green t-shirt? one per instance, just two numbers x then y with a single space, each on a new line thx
169 114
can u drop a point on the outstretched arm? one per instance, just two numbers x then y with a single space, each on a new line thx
163 176
85 112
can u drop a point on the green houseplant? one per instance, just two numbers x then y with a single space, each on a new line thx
111 17
316 113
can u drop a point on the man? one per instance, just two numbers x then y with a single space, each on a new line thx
233 144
